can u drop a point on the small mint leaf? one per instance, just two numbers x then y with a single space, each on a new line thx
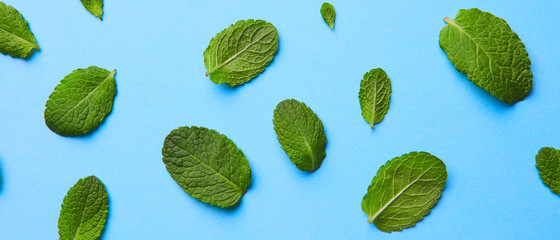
328 13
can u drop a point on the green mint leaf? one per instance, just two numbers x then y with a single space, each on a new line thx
328 13
548 163
95 7
375 94
241 52
16 39
485 48
404 190
81 101
300 133
84 210
207 165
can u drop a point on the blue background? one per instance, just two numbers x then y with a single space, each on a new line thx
493 190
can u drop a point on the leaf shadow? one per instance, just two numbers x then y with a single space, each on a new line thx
1 176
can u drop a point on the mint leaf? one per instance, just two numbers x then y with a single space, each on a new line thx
95 7
84 210
16 39
81 101
404 190
485 48
375 94
328 13
241 52
301 134
548 163
207 165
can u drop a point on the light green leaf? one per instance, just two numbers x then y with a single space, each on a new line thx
404 190
81 101
16 39
375 94
485 48
84 210
241 52
301 134
207 165
328 13
95 7
548 163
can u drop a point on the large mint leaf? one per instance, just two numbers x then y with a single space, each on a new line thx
207 165
300 133
16 39
328 13
548 163
84 210
404 190
81 101
485 48
95 7
241 52
375 94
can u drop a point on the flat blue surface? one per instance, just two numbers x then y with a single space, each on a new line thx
493 190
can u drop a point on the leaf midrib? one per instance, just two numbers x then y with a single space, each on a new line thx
112 74
313 158
374 103
490 60
81 215
371 219
236 55
243 191
34 45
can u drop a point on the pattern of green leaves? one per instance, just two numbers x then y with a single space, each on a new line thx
16 39
241 52
301 134
84 210
328 13
404 190
81 101
374 95
95 7
485 48
207 165
548 163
